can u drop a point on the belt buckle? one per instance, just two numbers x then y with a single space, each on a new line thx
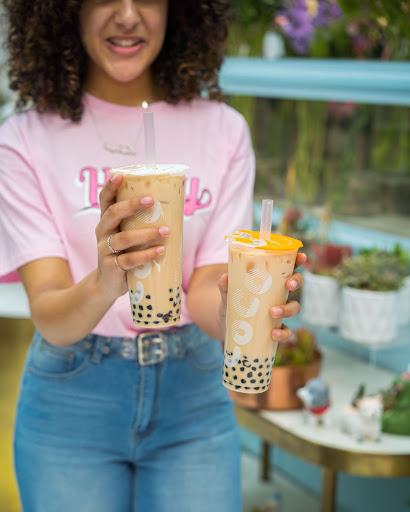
151 344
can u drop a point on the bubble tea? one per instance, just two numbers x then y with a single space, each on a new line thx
257 274
155 287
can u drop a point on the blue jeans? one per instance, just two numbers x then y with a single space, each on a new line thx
125 425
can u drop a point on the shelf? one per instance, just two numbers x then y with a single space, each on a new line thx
369 82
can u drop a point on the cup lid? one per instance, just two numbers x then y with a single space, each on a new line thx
276 243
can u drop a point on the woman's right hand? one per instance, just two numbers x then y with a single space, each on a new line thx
112 280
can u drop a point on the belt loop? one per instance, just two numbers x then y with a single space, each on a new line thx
98 350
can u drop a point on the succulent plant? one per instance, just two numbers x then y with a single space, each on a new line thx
325 259
373 270
300 350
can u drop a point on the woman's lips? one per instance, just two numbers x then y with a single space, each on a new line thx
125 45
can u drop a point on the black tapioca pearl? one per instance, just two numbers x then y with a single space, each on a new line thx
261 366
233 369
133 313
267 373
242 369
247 388
253 381
243 381
169 312
134 306
226 374
149 307
171 299
148 297
160 315
177 311
149 315
170 290
166 320
250 374
235 377
141 308
260 374
256 389
266 359
238 387
262 381
256 360
146 323
175 304
177 295
139 315
156 322
254 368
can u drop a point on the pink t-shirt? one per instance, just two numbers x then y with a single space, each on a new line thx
52 170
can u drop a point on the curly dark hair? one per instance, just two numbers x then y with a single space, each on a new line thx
48 63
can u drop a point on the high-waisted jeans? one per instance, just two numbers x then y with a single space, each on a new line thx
127 425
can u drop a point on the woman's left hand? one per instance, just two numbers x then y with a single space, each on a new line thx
288 310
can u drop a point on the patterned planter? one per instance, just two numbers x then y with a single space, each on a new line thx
404 303
368 317
320 300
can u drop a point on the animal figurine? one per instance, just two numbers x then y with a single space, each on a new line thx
316 400
362 420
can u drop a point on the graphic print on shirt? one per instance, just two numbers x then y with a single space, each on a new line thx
92 180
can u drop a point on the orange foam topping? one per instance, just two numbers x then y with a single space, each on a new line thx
276 242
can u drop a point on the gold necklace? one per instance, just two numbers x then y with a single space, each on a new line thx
123 149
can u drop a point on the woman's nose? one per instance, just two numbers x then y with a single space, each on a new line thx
127 13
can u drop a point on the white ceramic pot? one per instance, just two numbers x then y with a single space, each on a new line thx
404 302
368 317
320 298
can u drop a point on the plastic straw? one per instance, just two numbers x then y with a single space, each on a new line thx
149 135
266 219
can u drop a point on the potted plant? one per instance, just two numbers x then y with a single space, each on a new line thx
320 291
369 298
296 362
396 406
403 259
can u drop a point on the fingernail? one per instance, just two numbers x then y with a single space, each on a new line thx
277 311
114 178
160 249
164 230
276 333
293 284
146 200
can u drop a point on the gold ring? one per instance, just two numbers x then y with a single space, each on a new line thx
116 262
109 246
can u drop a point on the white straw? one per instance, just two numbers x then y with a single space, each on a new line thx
266 219
149 134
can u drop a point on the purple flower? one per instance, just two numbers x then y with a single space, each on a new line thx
296 24
328 11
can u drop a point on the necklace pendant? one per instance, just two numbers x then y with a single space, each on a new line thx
122 149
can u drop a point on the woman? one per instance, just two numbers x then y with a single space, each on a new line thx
96 429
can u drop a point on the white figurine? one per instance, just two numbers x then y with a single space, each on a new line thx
363 421
316 400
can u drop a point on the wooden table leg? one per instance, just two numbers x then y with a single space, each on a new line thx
265 469
329 483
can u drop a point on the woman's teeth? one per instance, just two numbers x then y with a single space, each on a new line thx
125 43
